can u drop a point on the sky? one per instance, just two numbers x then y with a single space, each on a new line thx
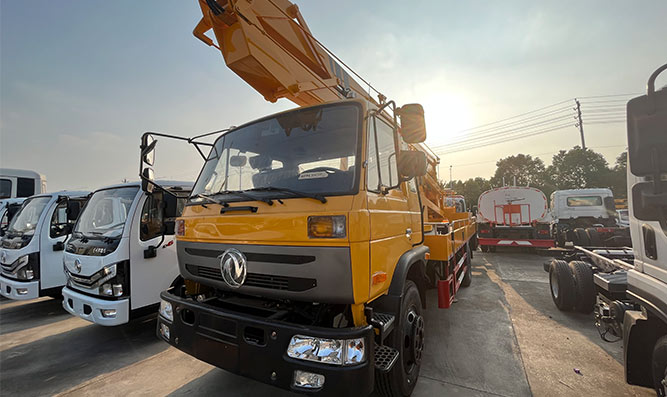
80 81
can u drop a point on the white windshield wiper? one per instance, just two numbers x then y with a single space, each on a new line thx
294 193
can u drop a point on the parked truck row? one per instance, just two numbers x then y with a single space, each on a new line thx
518 216
302 254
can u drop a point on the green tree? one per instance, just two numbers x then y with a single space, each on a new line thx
619 181
528 171
578 168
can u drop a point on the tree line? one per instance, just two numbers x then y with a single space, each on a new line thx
570 169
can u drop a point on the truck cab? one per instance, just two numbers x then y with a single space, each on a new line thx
645 327
31 248
122 253
21 183
586 217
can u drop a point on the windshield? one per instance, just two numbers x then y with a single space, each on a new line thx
25 221
106 212
310 150
584 201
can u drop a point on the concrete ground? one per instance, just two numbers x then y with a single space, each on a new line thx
503 337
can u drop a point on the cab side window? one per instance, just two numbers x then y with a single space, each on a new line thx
151 217
59 222
382 170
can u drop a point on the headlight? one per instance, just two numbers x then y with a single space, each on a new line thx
166 311
326 226
24 270
179 227
327 351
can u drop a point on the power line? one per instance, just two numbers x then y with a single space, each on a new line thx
507 131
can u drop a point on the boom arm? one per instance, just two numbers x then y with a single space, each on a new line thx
268 44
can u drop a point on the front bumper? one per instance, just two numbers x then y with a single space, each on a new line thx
19 290
90 308
255 347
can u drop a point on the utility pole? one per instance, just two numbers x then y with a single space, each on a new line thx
580 124
451 184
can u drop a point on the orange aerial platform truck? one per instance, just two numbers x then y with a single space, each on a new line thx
312 235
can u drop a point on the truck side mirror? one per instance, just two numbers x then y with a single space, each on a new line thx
146 172
170 203
73 210
413 125
412 164
647 145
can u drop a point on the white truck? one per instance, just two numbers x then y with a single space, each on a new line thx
31 249
587 217
513 216
122 252
20 183
628 289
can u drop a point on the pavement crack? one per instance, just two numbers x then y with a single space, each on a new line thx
463 386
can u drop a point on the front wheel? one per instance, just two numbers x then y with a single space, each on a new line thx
408 338
659 366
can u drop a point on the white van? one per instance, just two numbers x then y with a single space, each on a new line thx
21 183
31 249
122 252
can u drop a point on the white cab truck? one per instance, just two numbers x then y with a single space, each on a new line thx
513 216
122 252
627 289
21 183
587 217
31 248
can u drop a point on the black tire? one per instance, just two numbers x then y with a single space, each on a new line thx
467 278
594 237
582 237
583 280
402 378
560 239
659 366
485 248
562 286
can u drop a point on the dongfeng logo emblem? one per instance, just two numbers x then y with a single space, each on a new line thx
234 267
77 265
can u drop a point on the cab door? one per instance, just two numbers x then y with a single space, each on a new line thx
391 231
53 235
150 275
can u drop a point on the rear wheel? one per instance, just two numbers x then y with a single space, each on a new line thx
485 248
585 288
659 366
467 278
562 285
408 338
582 237
594 237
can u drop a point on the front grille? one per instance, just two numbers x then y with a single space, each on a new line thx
270 281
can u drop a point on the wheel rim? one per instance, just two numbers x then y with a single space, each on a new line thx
413 342
554 284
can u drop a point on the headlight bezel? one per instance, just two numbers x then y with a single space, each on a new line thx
166 310
308 348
